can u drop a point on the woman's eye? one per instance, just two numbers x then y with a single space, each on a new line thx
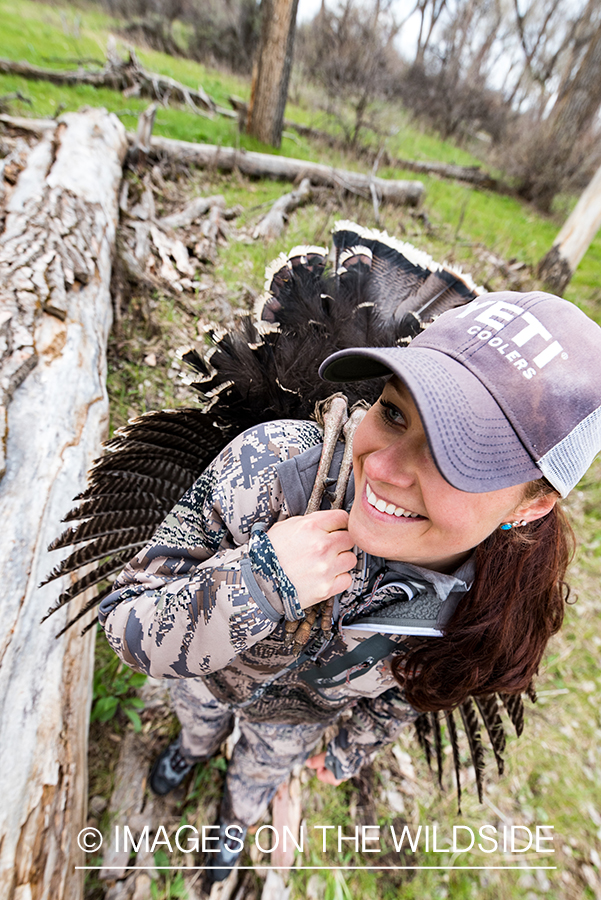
391 414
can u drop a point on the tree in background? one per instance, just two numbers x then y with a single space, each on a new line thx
527 72
271 71
447 82
350 52
560 149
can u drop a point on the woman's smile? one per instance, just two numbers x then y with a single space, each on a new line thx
404 509
388 509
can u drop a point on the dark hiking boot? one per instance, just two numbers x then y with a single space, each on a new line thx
169 770
229 847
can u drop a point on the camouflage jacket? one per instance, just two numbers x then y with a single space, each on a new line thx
200 600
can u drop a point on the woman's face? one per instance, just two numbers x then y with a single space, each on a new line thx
404 509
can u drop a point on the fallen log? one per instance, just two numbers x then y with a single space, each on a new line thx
265 165
127 75
272 225
470 174
55 267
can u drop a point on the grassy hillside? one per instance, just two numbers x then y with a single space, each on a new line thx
463 219
553 776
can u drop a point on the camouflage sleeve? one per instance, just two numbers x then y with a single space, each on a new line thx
374 723
195 597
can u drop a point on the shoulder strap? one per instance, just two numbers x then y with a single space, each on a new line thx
358 661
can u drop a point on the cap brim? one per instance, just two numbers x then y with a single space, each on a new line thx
473 444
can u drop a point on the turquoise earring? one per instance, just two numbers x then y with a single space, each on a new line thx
506 526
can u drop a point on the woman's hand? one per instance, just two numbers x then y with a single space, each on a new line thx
319 764
315 553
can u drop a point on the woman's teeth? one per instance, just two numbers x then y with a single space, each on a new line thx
388 508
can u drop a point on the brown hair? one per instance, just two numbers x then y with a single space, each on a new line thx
499 631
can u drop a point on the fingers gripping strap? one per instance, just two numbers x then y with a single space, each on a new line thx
265 562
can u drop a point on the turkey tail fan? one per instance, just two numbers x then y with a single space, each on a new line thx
256 376
406 282
471 725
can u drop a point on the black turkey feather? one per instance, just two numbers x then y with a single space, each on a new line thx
488 707
372 290
454 739
435 723
472 729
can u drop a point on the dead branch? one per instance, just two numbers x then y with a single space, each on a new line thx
143 134
29 126
192 212
471 174
272 225
127 76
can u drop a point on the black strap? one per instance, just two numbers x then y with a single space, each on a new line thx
349 666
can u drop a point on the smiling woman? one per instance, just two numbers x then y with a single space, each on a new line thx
443 566
404 509
529 430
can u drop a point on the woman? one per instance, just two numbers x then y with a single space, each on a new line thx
447 561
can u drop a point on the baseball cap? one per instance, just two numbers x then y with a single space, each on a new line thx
508 388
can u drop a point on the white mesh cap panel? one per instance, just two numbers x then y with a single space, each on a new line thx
566 462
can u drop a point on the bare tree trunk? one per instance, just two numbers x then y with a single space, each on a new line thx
572 242
55 266
271 71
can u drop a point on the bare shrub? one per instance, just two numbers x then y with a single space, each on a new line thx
225 33
454 106
349 52
530 158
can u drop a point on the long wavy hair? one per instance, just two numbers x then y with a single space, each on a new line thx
498 633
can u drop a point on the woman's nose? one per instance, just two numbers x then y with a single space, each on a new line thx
393 464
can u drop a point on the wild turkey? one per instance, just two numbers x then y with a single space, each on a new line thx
377 291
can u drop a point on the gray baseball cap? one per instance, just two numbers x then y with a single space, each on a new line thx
508 388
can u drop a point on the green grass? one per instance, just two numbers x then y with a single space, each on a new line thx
464 219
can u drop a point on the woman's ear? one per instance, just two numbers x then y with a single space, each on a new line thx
530 510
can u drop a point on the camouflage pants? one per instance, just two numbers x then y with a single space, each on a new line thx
263 757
